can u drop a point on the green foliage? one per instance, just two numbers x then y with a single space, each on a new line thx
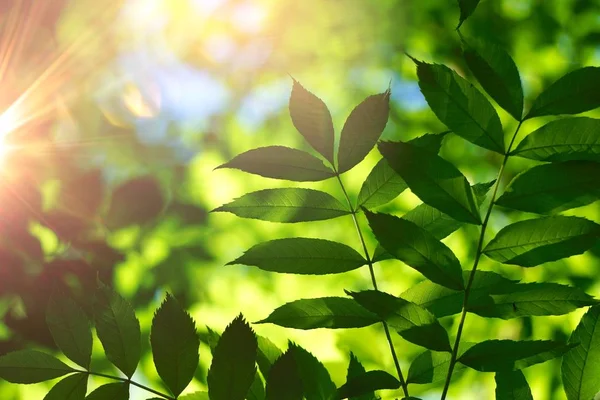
512 385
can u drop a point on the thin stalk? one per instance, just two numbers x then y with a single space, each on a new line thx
118 378
478 254
374 281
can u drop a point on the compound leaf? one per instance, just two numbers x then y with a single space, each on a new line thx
305 256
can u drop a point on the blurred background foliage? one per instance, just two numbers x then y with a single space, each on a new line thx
114 115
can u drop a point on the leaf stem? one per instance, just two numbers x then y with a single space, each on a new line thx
478 254
128 380
374 281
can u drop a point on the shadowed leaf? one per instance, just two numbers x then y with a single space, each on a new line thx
366 383
467 7
112 391
316 383
512 385
284 381
31 366
72 387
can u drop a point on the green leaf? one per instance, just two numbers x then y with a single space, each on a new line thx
542 298
280 162
567 139
316 383
581 366
284 381
536 241
233 366
381 186
434 180
417 248
174 344
574 93
356 369
497 73
436 222
552 188
257 389
502 355
312 119
362 130
441 301
323 312
113 391
431 367
267 354
302 256
195 396
413 322
72 387
512 385
460 106
466 9
70 329
118 329
31 366
286 205
366 383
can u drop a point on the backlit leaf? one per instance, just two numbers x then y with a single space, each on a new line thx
434 180
497 73
432 367
381 186
31 366
280 162
503 355
567 139
175 345
576 92
70 329
195 396
466 9
72 387
366 383
552 188
414 323
286 205
417 248
112 391
118 329
312 119
581 366
536 241
512 385
233 365
460 106
267 354
302 256
362 130
316 382
324 312
284 381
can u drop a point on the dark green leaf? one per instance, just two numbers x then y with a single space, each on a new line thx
466 9
381 186
233 366
72 387
503 355
286 205
312 119
355 369
414 323
31 366
316 383
567 139
512 385
280 162
70 329
542 298
137 201
267 354
552 188
112 391
324 312
576 92
118 329
366 383
302 256
441 301
460 106
284 381
497 73
536 241
434 180
417 248
431 367
362 130
581 366
175 345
